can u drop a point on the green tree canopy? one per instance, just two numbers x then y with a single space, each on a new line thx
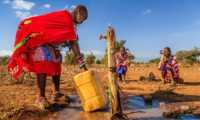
155 60
98 61
4 60
90 59
70 58
189 56
118 45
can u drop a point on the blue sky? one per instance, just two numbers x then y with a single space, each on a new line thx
147 25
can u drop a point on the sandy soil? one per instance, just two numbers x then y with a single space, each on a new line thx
17 97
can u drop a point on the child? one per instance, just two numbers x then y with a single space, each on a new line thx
168 66
40 53
122 61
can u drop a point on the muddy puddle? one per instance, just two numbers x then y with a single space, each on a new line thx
138 102
150 107
74 112
136 107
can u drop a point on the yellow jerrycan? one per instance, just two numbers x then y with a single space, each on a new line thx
91 91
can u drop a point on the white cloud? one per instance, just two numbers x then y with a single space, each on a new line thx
5 52
72 7
66 7
147 11
97 53
22 5
6 1
47 6
22 14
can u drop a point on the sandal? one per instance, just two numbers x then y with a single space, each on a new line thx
57 96
42 103
67 99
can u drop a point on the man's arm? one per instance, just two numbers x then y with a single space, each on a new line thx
126 59
161 61
76 49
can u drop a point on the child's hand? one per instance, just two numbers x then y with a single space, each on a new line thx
125 63
102 37
169 66
159 68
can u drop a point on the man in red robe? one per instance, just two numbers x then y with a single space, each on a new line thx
36 47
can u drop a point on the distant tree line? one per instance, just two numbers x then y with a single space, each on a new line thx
118 45
3 60
189 56
92 59
184 56
70 58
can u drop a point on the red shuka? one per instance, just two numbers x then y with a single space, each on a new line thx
53 28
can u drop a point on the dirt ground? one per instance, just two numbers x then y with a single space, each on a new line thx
17 97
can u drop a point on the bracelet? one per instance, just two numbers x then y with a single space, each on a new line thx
79 57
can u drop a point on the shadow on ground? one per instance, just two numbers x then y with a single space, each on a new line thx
174 97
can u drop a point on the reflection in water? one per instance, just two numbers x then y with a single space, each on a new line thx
138 102
189 117
74 112
149 110
135 102
95 116
78 114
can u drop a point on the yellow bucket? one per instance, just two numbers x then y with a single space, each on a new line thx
91 91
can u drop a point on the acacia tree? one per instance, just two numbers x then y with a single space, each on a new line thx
154 60
189 56
90 59
70 58
4 60
131 56
118 45
98 61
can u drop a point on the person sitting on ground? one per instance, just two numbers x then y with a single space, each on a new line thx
121 58
168 66
44 59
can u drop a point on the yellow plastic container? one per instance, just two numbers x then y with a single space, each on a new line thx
91 91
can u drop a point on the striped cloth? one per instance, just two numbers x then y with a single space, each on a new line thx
169 65
121 63
45 59
121 59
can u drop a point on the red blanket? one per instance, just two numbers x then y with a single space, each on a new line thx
53 28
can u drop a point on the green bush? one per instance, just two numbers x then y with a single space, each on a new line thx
70 58
155 60
90 59
98 61
118 45
4 60
189 56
